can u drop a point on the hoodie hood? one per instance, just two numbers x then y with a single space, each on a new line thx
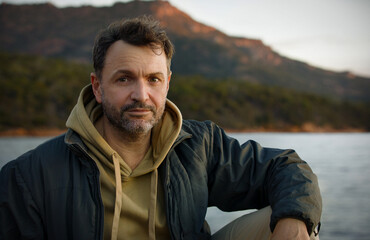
87 112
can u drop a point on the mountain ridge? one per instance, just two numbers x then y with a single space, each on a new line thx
69 32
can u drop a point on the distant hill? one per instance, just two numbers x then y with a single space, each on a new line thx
68 33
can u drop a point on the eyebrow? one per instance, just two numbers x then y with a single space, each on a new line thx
155 74
121 71
128 72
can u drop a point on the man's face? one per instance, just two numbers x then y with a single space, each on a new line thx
133 87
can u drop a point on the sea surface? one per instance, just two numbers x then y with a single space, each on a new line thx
340 160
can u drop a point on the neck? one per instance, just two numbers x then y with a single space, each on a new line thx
131 147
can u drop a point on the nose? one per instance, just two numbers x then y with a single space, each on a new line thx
140 91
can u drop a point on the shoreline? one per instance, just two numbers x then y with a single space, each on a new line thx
306 128
39 132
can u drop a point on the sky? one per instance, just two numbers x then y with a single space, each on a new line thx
330 34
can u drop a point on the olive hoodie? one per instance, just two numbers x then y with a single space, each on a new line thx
134 206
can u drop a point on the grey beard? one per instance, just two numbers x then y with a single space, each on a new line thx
131 127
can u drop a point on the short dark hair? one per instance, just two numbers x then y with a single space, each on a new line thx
140 31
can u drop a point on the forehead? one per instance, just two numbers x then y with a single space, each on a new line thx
122 55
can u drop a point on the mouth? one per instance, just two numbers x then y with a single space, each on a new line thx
138 112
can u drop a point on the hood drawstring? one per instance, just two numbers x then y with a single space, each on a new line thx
118 201
153 203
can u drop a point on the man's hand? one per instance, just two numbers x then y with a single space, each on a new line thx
290 229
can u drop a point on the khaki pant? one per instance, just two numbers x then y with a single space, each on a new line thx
255 225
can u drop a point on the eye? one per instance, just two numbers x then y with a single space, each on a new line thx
122 79
154 79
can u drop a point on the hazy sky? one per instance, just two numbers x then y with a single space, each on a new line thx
332 34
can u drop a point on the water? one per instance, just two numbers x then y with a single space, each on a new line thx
341 161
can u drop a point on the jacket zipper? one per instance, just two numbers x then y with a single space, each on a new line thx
168 191
96 192
97 195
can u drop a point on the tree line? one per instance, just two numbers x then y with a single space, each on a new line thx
38 92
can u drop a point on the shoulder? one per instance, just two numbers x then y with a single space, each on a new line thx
50 166
45 156
205 130
200 127
52 147
205 135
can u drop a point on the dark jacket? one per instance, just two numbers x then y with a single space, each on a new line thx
53 191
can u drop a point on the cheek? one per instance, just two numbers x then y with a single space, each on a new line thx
117 97
160 97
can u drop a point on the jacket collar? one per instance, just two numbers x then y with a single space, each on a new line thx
182 136
74 141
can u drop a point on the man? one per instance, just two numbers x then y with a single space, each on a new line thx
129 166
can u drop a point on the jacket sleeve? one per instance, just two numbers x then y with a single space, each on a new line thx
19 215
249 176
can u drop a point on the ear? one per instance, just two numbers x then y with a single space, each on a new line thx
168 81
96 86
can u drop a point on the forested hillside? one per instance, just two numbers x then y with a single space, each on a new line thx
68 33
40 92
